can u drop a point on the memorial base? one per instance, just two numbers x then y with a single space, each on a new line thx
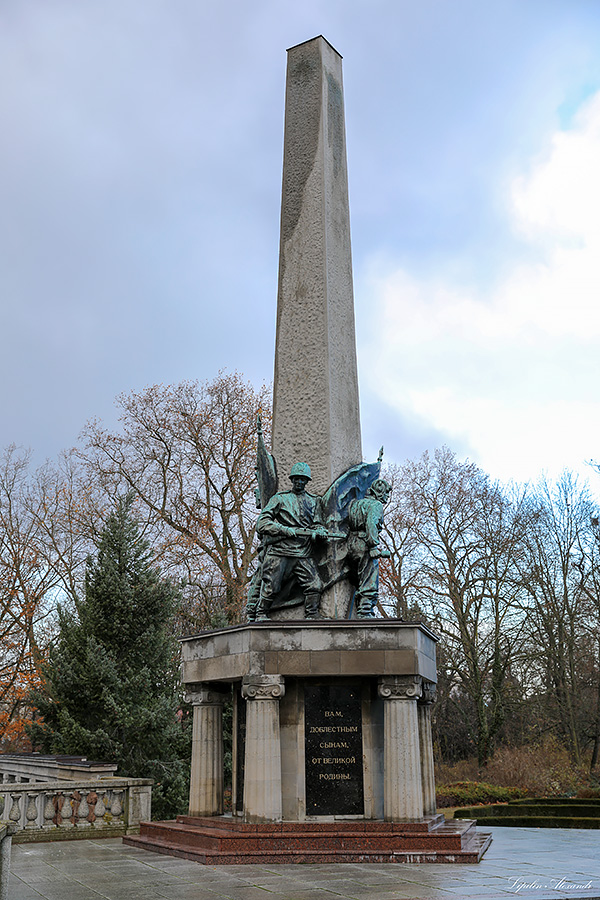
332 755
221 840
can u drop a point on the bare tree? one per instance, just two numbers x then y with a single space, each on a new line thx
588 568
464 536
40 556
559 581
188 452
401 576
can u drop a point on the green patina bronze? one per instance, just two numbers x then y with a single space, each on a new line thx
288 526
364 550
296 530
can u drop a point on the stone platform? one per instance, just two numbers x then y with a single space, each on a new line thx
221 840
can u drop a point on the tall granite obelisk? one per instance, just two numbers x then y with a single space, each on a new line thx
316 416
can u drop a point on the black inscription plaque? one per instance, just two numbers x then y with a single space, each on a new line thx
333 750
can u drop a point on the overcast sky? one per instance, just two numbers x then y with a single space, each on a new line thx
140 179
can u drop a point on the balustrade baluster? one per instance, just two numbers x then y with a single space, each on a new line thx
66 811
100 808
75 801
116 807
31 813
49 810
83 812
91 800
15 812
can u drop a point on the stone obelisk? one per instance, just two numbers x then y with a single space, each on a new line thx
304 688
316 416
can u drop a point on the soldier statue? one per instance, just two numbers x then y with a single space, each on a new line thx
288 526
364 550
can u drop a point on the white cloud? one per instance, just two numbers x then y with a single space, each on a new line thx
513 372
560 197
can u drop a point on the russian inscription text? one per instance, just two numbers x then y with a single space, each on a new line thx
333 750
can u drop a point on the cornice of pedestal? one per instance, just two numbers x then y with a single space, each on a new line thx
306 649
400 687
263 687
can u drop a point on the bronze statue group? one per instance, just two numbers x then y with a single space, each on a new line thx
297 530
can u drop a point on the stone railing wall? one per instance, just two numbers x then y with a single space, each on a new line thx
55 810
28 768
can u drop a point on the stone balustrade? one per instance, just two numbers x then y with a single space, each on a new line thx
76 809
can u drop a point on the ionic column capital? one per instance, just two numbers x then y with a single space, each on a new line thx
400 687
202 694
429 692
263 687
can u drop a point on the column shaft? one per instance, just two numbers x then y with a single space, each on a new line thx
402 787
427 768
206 779
262 773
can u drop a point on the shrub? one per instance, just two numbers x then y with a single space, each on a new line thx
588 793
475 793
543 769
463 770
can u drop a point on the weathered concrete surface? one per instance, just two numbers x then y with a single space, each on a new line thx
402 778
262 759
206 779
338 647
316 415
33 767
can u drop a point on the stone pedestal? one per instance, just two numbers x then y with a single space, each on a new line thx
262 754
332 748
332 704
206 777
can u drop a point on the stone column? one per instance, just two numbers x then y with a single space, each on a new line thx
262 771
206 780
316 415
426 747
402 781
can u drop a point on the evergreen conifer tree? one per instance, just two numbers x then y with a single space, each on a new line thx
110 685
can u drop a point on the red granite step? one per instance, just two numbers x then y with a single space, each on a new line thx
321 857
428 823
228 841
218 841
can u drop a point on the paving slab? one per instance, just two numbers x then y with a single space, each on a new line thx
537 864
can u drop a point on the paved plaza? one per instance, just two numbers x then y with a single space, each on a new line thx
538 864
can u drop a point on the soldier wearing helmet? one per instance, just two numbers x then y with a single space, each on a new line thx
364 548
289 525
